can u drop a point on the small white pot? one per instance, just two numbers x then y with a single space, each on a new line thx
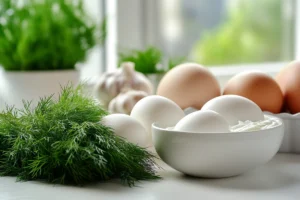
291 139
16 86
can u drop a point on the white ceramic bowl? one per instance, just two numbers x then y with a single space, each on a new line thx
216 155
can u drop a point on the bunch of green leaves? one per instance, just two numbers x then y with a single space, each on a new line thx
44 34
150 60
146 61
252 33
62 141
173 62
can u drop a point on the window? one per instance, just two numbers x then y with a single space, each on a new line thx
96 60
216 32
211 32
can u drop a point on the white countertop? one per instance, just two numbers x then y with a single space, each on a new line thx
279 179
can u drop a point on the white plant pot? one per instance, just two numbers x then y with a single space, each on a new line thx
15 86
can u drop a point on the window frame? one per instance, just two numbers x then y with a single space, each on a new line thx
145 24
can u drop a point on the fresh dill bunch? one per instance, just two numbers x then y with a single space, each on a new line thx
62 141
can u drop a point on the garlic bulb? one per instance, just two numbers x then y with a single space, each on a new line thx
125 101
125 78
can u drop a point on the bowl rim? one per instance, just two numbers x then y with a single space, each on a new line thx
155 126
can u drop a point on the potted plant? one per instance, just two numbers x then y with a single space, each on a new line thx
150 62
40 44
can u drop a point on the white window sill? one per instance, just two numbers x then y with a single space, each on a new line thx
230 70
224 73
91 70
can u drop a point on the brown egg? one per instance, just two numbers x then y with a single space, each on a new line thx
258 87
189 85
289 81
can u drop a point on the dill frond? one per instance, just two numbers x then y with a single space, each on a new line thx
62 141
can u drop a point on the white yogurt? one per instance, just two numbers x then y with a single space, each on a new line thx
246 126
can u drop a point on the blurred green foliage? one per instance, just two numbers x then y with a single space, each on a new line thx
149 61
146 61
252 33
173 62
44 34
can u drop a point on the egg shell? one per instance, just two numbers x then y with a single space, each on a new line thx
158 109
128 128
259 88
289 81
203 122
235 108
189 85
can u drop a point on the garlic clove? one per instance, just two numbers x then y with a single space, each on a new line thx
125 101
124 79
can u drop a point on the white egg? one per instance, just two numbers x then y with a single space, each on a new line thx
235 108
203 122
128 128
158 109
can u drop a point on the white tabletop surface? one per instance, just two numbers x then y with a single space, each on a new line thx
279 179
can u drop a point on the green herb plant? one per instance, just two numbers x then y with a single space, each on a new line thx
173 62
44 34
62 141
148 61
